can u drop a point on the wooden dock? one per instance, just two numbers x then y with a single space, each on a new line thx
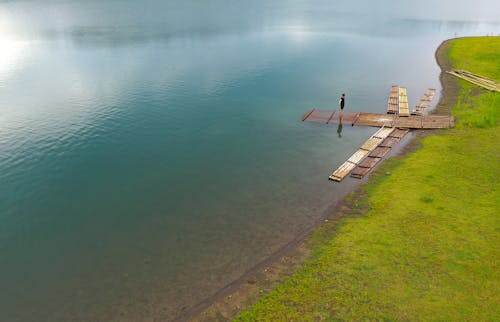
424 103
377 154
404 109
392 129
394 125
393 101
379 120
364 151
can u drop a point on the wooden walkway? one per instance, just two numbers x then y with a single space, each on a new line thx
379 120
404 109
479 80
398 101
425 101
377 154
366 149
393 102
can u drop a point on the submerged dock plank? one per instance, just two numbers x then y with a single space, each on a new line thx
319 116
307 114
424 103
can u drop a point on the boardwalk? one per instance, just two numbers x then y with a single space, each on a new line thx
377 154
366 149
424 103
379 120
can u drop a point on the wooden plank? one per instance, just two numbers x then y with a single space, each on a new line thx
479 80
393 101
424 102
381 120
380 152
365 166
376 138
383 132
344 118
403 103
355 119
331 117
369 162
319 116
436 122
394 118
360 155
374 119
390 142
306 115
360 172
399 133
342 171
411 122
371 144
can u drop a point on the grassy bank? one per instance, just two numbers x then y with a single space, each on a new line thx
427 246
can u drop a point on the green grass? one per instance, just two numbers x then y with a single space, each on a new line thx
428 247
480 56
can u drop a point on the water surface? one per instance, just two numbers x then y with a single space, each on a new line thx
151 152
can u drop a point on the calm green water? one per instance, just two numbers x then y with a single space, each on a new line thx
151 152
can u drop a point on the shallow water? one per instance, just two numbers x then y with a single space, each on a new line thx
151 152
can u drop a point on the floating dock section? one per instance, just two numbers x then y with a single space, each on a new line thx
393 102
378 153
404 110
398 102
424 103
366 149
379 120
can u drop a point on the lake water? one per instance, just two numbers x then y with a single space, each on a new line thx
152 152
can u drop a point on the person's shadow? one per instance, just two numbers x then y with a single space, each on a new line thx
339 129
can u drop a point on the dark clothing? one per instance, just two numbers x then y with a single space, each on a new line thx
342 102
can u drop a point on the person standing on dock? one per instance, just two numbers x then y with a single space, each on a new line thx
342 102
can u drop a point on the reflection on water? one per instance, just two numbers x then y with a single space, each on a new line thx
339 128
152 152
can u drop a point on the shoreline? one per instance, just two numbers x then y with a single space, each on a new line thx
231 299
240 293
